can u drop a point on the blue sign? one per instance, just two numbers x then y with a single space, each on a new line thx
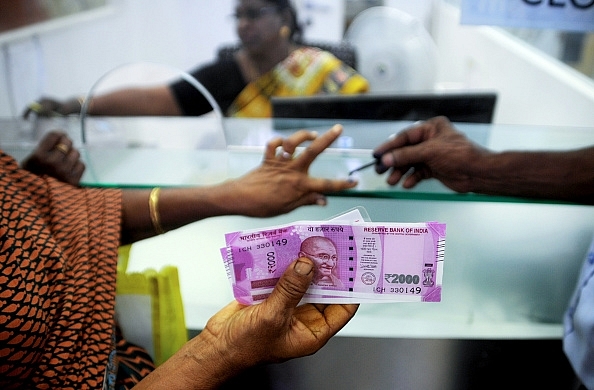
570 15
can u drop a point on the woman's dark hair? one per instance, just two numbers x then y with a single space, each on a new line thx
296 28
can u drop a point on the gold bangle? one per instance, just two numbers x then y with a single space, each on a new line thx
154 213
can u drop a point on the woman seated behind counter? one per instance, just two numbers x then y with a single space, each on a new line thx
270 62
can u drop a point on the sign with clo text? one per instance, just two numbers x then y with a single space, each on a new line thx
569 15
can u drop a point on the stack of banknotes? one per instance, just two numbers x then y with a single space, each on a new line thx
356 261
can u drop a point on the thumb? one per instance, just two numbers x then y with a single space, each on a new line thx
292 285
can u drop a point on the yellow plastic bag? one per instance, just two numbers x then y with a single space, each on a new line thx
149 308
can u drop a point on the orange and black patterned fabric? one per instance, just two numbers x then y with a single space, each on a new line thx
133 363
58 254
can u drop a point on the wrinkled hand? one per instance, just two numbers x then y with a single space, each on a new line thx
48 107
239 336
430 149
277 329
282 183
55 156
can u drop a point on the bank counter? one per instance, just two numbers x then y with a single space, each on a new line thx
510 264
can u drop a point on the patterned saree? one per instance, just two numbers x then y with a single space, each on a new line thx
307 71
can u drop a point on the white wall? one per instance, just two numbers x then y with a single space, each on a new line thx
532 87
67 60
321 19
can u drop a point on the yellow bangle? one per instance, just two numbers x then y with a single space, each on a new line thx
154 213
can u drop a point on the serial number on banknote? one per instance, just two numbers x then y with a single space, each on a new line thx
399 290
267 244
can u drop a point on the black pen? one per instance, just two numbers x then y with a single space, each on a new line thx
369 164
378 158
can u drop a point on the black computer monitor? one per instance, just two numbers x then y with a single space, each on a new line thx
474 107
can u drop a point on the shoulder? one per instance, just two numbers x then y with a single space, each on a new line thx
213 76
312 52
7 161
340 52
219 67
304 57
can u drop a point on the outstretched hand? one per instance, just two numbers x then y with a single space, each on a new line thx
429 149
48 107
55 156
239 336
282 183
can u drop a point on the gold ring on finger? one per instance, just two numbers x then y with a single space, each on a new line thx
62 147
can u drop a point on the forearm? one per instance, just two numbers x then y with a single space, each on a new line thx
135 101
278 186
175 207
199 364
567 176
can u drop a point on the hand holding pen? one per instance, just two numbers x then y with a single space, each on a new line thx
388 154
382 149
369 164
377 160
430 149
399 153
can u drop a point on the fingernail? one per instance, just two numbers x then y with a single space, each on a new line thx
303 268
387 159
321 201
336 128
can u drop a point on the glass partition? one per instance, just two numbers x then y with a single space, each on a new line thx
185 151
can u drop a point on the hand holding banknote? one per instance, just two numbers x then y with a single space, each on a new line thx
355 261
239 336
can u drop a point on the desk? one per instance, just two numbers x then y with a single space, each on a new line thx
510 264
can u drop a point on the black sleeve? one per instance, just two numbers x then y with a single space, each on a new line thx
222 79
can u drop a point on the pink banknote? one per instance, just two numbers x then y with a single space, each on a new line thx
355 262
